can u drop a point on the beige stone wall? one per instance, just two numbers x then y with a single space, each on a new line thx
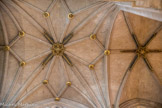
157 4
149 3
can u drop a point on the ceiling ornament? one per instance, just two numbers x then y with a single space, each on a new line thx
70 15
46 14
107 52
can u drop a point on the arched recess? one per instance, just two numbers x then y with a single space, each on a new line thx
138 102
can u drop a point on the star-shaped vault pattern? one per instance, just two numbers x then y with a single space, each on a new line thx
57 53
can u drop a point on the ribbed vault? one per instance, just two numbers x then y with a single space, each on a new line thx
78 54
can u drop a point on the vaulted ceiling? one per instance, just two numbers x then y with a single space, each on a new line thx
79 54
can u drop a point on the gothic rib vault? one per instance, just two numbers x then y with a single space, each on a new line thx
78 54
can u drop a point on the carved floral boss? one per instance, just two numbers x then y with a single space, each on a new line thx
58 49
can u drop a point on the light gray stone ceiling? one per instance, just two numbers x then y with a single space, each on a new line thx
80 54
